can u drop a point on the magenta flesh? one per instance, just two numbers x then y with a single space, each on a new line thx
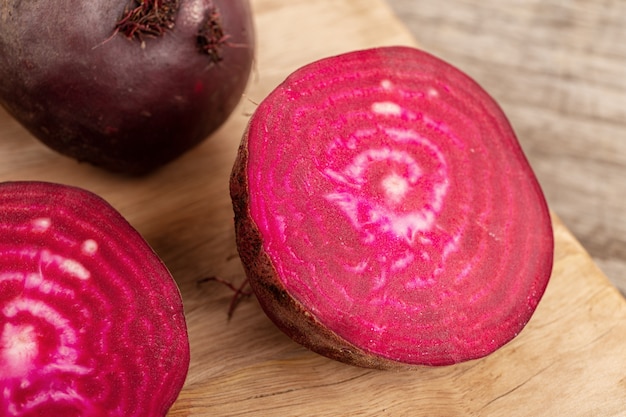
91 321
125 85
386 215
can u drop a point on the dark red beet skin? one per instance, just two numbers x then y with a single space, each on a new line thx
125 99
386 215
91 321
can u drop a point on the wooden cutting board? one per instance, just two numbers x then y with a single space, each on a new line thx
569 361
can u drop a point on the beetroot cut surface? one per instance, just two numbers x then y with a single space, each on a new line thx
386 215
91 321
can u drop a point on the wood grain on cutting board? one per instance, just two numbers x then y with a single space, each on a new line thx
569 360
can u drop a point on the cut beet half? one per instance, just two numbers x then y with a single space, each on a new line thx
91 321
386 215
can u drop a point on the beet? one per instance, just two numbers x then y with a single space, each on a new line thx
91 320
386 215
127 86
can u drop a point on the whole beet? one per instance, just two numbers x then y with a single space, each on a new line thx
127 86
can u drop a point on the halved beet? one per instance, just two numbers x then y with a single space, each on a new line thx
127 85
91 321
386 215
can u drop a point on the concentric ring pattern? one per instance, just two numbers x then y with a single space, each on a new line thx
397 206
91 322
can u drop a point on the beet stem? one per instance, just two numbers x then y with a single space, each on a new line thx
239 292
147 18
211 36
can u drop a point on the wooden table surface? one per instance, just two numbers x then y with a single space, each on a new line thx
569 361
558 68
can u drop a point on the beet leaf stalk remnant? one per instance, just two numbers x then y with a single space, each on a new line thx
147 18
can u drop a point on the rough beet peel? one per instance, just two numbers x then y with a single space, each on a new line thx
386 215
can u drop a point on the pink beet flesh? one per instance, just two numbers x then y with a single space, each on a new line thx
395 207
91 321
